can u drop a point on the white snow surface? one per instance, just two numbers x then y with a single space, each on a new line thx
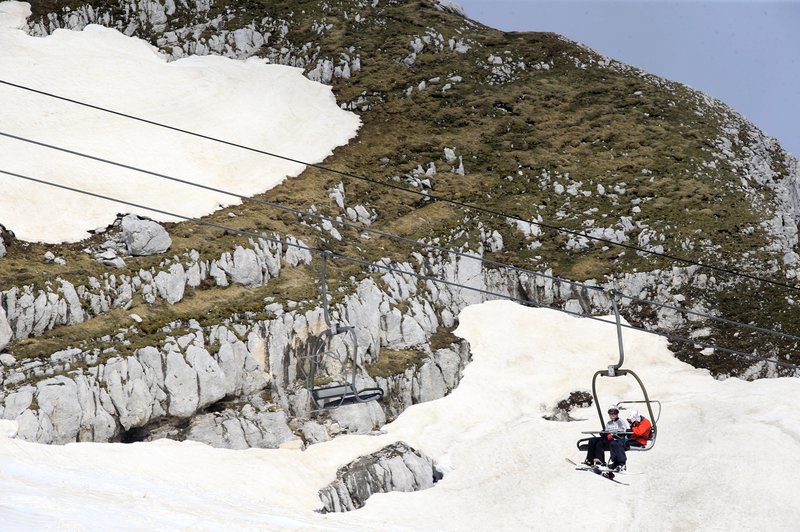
725 458
270 107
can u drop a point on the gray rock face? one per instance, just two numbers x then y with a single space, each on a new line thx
17 402
144 237
6 334
313 432
359 418
242 430
75 312
243 268
2 247
59 409
125 393
172 284
181 385
396 467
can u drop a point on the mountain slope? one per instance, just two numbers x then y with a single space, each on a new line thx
530 125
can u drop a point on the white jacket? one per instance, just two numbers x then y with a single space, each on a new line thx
617 425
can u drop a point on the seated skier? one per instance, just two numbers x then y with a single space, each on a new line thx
640 429
609 439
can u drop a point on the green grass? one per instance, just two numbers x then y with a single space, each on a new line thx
394 362
588 123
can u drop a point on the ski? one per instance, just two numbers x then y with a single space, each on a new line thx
603 469
597 471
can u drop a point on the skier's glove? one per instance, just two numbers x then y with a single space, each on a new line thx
610 437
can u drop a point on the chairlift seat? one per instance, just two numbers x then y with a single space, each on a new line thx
335 395
651 440
583 443
343 394
614 371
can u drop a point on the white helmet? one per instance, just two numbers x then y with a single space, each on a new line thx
633 415
613 408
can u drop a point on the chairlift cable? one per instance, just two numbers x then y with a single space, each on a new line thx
303 213
410 241
380 266
442 199
714 318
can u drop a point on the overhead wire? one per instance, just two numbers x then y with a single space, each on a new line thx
381 266
302 213
426 195
385 234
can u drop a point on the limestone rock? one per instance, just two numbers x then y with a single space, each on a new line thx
296 255
6 334
245 268
128 391
242 430
144 237
29 427
96 424
18 402
181 384
58 403
396 467
218 274
360 418
210 378
171 285
313 432
75 312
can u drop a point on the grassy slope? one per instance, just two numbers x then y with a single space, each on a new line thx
598 126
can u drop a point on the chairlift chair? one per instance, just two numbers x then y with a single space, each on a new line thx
617 371
338 394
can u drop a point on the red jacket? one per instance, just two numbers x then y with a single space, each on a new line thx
641 431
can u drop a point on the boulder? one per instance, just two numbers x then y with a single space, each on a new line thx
144 237
396 467
359 418
244 268
75 312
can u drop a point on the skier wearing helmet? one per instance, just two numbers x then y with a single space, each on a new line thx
640 429
610 440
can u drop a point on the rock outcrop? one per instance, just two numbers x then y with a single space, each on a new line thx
109 398
31 310
396 467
